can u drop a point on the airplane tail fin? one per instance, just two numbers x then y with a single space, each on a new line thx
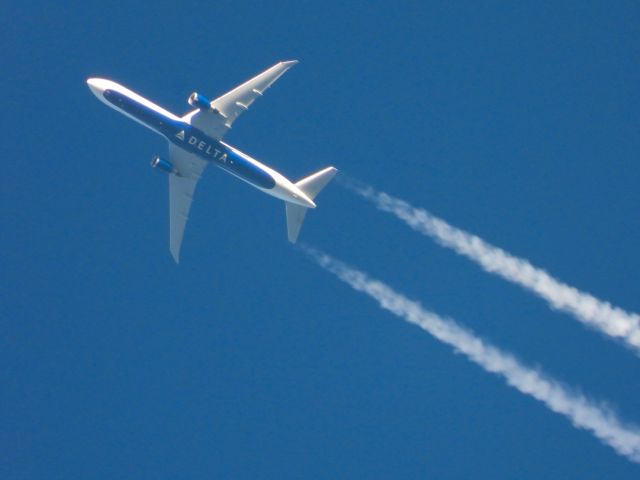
311 186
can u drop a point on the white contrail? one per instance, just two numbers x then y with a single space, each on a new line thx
582 412
589 310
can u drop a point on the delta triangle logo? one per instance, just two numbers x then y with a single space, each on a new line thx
180 135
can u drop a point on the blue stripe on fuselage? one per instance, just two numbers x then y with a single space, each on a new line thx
192 140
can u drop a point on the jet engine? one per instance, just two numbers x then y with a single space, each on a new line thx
163 165
199 101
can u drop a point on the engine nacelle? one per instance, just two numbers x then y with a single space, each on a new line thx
199 101
163 165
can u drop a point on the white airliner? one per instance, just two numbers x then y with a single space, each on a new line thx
195 141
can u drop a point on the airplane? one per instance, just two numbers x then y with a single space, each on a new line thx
195 141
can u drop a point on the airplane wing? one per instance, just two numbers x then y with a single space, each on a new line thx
225 109
182 185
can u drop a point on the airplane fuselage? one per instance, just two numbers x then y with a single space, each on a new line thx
196 142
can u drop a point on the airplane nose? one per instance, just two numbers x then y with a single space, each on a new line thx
96 86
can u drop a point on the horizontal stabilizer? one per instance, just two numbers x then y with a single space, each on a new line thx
310 186
313 184
295 217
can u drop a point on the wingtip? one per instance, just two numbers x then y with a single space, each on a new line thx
290 63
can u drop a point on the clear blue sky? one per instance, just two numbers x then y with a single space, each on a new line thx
516 122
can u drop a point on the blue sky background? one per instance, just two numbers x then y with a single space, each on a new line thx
518 122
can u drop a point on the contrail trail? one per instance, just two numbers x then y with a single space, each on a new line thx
582 412
611 320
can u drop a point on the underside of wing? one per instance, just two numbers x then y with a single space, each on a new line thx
224 110
182 186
